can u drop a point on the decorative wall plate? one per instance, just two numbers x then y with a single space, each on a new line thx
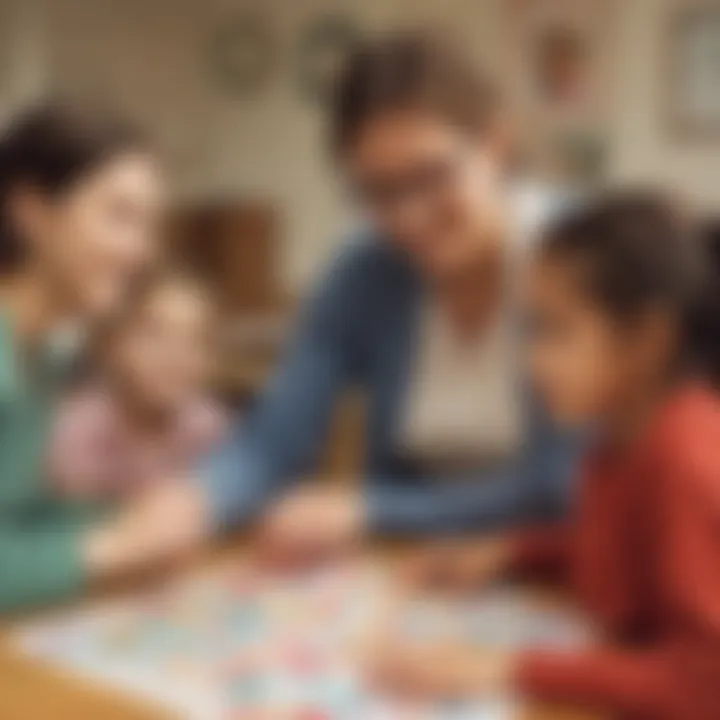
243 53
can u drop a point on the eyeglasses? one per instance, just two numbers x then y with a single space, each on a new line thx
427 181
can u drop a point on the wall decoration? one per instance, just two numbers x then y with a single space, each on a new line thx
579 155
694 89
562 67
243 53
559 67
321 49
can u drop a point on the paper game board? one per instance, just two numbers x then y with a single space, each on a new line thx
234 645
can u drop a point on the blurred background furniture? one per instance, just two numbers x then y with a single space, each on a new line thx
234 247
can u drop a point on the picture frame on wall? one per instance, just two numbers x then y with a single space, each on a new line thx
693 92
558 54
560 64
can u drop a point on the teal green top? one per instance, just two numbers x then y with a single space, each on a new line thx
40 535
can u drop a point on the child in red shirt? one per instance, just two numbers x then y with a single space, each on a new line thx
625 337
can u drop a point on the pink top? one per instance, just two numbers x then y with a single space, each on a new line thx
94 453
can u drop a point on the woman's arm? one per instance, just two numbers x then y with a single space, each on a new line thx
283 437
40 563
532 487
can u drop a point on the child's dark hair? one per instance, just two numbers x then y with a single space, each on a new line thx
636 251
706 321
402 70
50 147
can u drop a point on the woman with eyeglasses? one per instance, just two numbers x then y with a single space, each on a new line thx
420 311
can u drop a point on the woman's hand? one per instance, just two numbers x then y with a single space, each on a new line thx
312 523
165 523
439 671
457 565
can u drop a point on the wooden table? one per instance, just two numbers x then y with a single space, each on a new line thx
30 690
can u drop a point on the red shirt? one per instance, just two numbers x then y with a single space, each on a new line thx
642 555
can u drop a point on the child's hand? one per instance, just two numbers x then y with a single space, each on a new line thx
459 565
439 672
164 523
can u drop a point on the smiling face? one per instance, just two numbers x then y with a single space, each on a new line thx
430 187
162 355
420 133
89 240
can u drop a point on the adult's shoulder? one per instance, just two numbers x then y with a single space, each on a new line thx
368 267
367 287
369 254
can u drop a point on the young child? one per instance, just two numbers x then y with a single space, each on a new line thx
148 416
624 338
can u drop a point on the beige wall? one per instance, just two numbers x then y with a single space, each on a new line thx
643 147
149 55
152 53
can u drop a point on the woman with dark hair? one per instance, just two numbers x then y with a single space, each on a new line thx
420 311
80 196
